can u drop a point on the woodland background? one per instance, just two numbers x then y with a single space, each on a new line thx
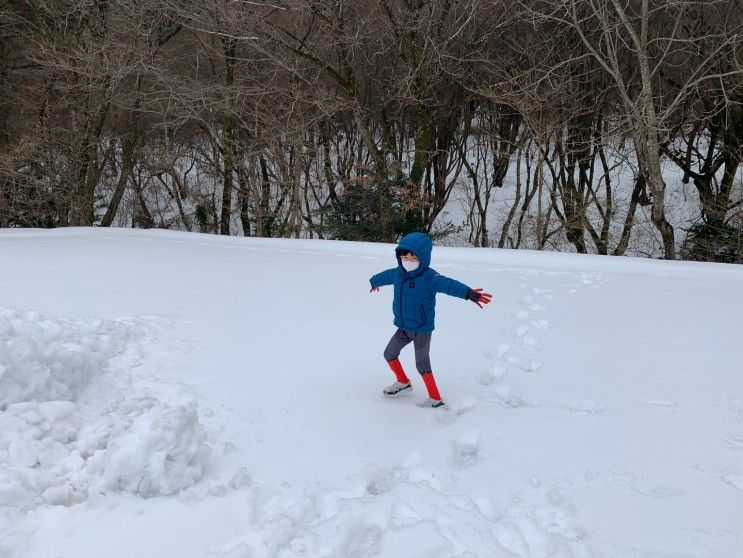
592 126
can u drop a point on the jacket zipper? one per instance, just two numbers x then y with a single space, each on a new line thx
402 286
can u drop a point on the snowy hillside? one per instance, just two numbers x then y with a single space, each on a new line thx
168 394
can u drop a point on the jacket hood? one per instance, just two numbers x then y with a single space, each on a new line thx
419 244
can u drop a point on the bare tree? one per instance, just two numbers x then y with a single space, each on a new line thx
707 144
635 43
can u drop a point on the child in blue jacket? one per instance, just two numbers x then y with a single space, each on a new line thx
413 306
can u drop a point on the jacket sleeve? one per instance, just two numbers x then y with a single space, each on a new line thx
386 277
451 287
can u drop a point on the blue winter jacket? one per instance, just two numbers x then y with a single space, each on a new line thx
414 303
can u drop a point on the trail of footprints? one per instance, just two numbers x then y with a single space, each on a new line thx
531 321
523 335
518 351
502 358
520 348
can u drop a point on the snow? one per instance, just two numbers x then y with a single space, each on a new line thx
174 394
67 433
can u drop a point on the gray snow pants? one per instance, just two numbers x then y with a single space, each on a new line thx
421 343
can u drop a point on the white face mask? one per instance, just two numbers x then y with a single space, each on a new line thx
410 266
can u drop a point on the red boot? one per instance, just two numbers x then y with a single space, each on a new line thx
402 382
434 397
396 367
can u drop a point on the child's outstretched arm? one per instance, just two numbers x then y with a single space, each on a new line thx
386 277
452 287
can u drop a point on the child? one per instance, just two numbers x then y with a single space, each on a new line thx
413 305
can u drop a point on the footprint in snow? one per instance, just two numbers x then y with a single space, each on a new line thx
654 490
526 299
589 278
485 507
546 530
383 481
240 479
659 403
540 324
522 330
505 398
525 364
735 442
403 515
228 447
530 343
586 407
464 405
364 542
493 375
179 346
734 480
537 307
502 349
454 409
522 315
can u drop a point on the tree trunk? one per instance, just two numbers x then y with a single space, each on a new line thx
517 199
264 221
127 164
87 171
650 166
383 185
229 47
629 220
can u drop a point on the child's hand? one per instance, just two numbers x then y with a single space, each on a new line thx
478 297
374 290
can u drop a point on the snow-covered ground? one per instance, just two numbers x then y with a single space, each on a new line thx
171 394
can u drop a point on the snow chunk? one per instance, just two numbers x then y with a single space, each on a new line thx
153 449
466 447
240 479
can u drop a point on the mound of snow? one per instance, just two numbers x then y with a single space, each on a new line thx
44 359
64 437
153 449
